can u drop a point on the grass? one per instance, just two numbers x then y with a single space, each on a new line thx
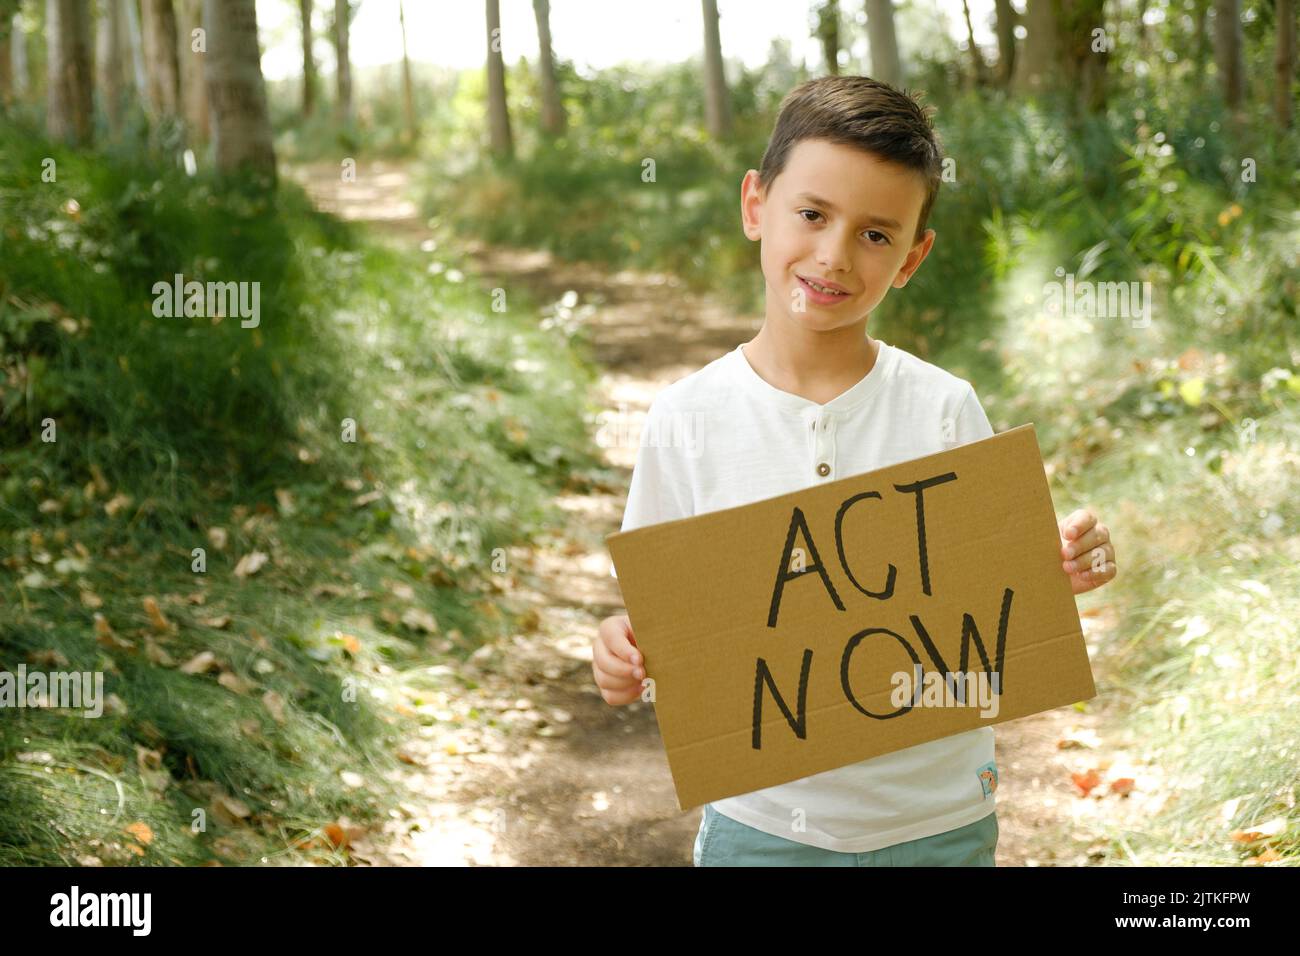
384 556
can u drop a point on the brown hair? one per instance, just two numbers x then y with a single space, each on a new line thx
862 112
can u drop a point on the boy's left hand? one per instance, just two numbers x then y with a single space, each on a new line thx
1086 552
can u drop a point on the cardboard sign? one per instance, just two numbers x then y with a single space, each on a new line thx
816 629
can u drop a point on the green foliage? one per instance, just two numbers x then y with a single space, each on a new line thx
177 433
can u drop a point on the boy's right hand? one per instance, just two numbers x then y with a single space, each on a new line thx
616 662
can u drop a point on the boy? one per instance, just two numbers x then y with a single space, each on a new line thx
839 206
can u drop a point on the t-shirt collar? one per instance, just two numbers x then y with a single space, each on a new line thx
760 388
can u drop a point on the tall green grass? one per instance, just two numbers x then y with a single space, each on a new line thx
383 555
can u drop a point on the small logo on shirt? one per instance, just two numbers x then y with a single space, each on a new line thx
988 775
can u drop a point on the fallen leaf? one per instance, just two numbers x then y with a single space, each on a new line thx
156 654
228 810
249 564
51 659
1085 782
116 504
1260 831
220 622
420 620
91 600
336 835
217 537
157 620
234 683
141 832
1121 786
274 703
201 663
1270 855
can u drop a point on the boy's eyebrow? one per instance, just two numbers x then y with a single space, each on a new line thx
826 203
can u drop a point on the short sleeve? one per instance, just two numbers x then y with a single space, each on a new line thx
660 489
972 423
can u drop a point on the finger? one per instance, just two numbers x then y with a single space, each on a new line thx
607 663
1093 558
1094 537
1088 580
617 698
616 633
1077 523
615 684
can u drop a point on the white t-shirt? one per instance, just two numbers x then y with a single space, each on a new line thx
722 437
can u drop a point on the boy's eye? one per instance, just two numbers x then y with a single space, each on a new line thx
869 232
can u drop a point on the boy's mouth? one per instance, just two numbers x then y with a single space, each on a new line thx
820 292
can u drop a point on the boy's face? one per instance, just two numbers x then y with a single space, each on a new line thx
838 215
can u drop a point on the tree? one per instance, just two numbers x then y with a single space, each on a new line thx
69 113
828 33
7 18
111 62
977 60
717 110
241 126
1040 50
554 120
1284 62
885 63
194 86
408 91
18 58
162 65
1006 28
502 144
136 43
1083 51
308 60
343 75
1227 53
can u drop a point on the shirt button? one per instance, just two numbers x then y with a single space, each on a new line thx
823 469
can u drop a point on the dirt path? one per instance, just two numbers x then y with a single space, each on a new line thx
558 776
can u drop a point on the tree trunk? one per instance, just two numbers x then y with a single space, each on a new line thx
18 58
194 84
501 142
308 60
554 120
1085 66
408 88
69 114
136 43
1035 67
1284 63
885 63
343 77
241 127
6 63
977 60
162 65
111 62
717 111
1202 48
828 32
1006 24
1227 53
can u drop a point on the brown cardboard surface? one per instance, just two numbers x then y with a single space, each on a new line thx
729 625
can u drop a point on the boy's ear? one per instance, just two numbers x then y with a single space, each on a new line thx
751 201
915 256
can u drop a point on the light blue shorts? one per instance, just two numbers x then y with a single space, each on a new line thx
723 841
